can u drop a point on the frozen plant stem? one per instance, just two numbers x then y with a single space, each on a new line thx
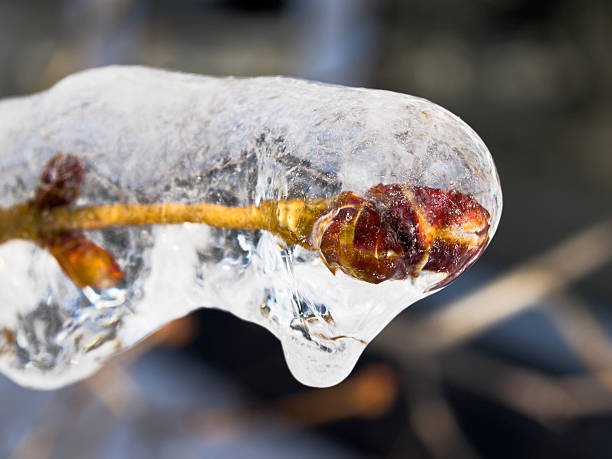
394 232
290 219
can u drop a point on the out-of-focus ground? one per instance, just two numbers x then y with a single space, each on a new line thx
513 360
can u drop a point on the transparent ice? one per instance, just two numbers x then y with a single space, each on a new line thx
149 135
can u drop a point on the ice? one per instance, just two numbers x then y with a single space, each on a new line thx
148 136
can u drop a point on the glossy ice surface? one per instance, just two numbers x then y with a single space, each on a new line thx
153 136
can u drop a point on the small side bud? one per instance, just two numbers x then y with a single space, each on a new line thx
85 263
60 182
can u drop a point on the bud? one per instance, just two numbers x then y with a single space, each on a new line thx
60 182
84 262
439 231
353 237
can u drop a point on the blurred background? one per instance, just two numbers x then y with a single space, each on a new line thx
513 360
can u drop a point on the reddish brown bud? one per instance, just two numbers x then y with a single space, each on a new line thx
462 230
397 231
60 181
440 231
353 237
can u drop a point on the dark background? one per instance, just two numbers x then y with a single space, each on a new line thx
513 360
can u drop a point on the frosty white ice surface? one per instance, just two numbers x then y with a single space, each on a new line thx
149 136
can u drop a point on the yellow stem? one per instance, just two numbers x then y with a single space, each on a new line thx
291 219
99 217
